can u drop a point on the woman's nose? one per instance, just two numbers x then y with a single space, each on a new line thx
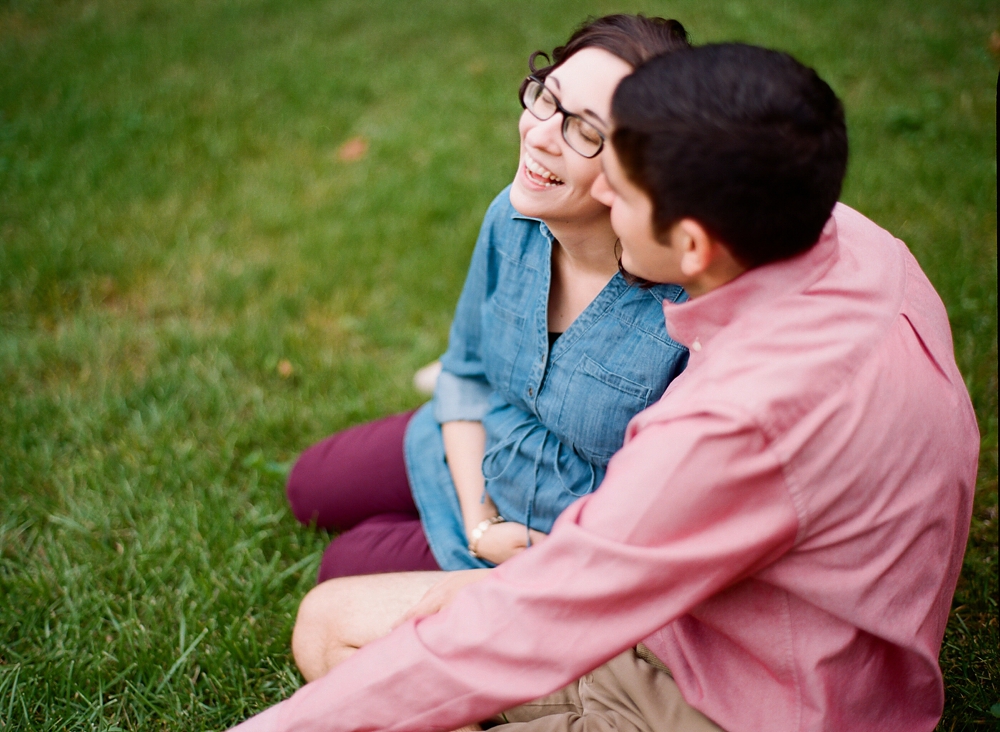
545 134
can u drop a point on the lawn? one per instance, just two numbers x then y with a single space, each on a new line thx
198 279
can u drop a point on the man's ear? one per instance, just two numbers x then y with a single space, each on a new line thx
698 248
705 261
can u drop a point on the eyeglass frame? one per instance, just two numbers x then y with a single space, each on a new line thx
567 115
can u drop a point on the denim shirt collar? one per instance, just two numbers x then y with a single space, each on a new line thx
660 292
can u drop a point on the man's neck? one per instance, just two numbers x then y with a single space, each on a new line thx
721 271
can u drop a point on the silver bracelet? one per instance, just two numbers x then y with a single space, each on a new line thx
477 533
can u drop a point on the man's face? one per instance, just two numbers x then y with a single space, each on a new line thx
643 255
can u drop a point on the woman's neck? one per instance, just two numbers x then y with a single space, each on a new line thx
582 264
587 250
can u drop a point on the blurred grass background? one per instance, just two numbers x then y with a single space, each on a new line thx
196 283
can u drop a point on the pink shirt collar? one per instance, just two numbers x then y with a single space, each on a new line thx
695 322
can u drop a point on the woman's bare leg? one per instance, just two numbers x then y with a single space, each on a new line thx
339 616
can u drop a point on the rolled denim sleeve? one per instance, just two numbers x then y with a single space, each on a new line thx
463 391
460 398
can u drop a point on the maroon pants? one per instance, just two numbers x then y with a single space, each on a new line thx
355 482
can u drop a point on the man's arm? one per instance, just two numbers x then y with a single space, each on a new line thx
687 508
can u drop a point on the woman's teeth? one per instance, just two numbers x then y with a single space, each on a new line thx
548 178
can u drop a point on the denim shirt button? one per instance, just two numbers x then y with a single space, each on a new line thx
531 391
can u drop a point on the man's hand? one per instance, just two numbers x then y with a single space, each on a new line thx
504 540
442 593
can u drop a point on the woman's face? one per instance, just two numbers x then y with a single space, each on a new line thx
553 181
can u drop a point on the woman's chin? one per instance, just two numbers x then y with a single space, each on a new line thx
558 203
526 201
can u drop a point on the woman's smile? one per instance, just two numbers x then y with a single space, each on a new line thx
539 174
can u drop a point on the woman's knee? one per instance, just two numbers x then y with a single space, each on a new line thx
352 475
302 490
322 488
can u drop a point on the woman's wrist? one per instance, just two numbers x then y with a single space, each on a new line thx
474 512
473 516
477 533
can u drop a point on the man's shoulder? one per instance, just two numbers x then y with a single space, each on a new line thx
777 360
782 354
892 273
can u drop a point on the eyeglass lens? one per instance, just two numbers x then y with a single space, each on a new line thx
578 132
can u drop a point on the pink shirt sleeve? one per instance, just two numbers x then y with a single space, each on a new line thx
688 507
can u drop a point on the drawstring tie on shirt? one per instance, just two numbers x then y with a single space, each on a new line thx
513 443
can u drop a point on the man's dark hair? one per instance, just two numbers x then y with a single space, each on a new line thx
746 141
633 38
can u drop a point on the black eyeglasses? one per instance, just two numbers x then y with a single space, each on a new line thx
578 133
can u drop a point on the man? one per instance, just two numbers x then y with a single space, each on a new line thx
776 545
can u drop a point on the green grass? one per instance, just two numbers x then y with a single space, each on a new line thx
175 221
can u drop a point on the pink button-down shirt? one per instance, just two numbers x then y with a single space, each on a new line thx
784 529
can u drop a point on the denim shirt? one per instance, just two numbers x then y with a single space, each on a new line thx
552 419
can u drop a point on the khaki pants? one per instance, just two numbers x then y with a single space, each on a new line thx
627 694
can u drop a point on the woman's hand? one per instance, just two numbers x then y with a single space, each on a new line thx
442 593
502 541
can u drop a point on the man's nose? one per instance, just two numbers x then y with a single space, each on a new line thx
601 191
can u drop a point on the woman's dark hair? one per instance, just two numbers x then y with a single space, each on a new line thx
633 38
746 141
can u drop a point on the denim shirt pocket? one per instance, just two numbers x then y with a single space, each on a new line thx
597 407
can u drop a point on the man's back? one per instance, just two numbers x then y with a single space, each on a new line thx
838 365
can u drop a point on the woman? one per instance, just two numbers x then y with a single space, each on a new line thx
550 353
